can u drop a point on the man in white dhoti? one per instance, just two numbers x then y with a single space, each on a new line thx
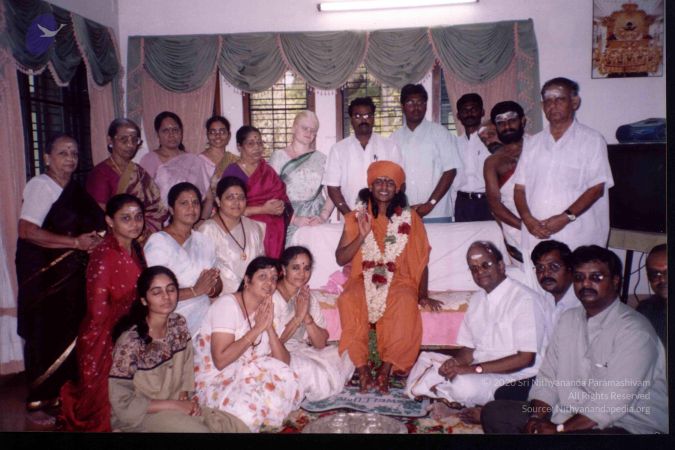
562 178
501 335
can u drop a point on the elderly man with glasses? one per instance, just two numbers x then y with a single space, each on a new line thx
500 338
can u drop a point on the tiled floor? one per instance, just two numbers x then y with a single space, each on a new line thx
12 405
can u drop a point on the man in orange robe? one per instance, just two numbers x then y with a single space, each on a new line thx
399 329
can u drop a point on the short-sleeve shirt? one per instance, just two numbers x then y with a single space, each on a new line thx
40 193
473 154
348 162
502 323
428 151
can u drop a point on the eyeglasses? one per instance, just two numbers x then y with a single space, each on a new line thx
415 103
595 277
653 275
486 265
219 131
309 129
126 140
553 267
384 181
359 116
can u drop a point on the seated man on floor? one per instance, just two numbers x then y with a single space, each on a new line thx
554 273
655 307
387 245
501 335
604 369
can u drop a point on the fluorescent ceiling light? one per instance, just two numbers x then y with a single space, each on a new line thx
362 5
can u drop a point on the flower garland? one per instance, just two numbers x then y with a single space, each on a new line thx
378 269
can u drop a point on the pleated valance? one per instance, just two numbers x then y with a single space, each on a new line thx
40 35
253 62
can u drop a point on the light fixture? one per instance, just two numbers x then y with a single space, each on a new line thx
362 5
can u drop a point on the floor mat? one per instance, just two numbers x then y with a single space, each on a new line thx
396 403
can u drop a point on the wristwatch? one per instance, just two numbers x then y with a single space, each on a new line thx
560 428
570 216
433 202
478 369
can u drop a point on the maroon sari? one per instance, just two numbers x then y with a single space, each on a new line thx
264 184
111 288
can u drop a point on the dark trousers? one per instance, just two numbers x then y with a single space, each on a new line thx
470 207
518 390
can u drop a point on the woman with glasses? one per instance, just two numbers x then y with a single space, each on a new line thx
59 225
267 201
241 366
170 164
301 168
119 174
216 157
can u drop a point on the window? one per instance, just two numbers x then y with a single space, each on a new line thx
388 114
273 110
446 117
49 109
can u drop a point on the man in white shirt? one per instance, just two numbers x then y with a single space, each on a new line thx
430 158
348 160
604 370
501 335
554 272
471 202
562 177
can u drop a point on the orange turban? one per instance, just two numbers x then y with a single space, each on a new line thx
386 169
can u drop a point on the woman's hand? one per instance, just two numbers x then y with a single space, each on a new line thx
188 407
87 241
364 221
274 207
316 220
264 315
302 304
206 281
301 221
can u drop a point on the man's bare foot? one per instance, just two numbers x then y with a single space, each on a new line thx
382 378
470 415
439 410
365 379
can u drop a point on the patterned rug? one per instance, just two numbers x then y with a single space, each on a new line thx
396 403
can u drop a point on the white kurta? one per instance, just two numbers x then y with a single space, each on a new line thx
552 312
511 235
348 163
322 372
555 174
427 151
496 325
228 255
187 262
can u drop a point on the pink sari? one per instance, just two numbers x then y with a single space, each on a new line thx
264 184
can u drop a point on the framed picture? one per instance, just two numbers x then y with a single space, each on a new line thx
628 38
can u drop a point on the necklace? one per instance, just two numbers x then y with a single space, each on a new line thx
243 302
242 255
115 166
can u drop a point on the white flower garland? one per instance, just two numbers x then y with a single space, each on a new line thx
378 269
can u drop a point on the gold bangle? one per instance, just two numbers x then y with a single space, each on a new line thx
192 288
77 243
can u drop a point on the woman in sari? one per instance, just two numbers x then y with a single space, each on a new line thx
188 253
152 373
170 164
241 366
267 201
118 174
114 267
301 169
302 329
215 158
58 225
236 239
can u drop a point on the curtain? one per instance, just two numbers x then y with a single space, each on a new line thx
192 107
250 62
12 158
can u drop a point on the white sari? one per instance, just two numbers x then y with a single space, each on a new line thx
322 372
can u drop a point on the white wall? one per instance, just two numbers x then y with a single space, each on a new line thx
563 29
